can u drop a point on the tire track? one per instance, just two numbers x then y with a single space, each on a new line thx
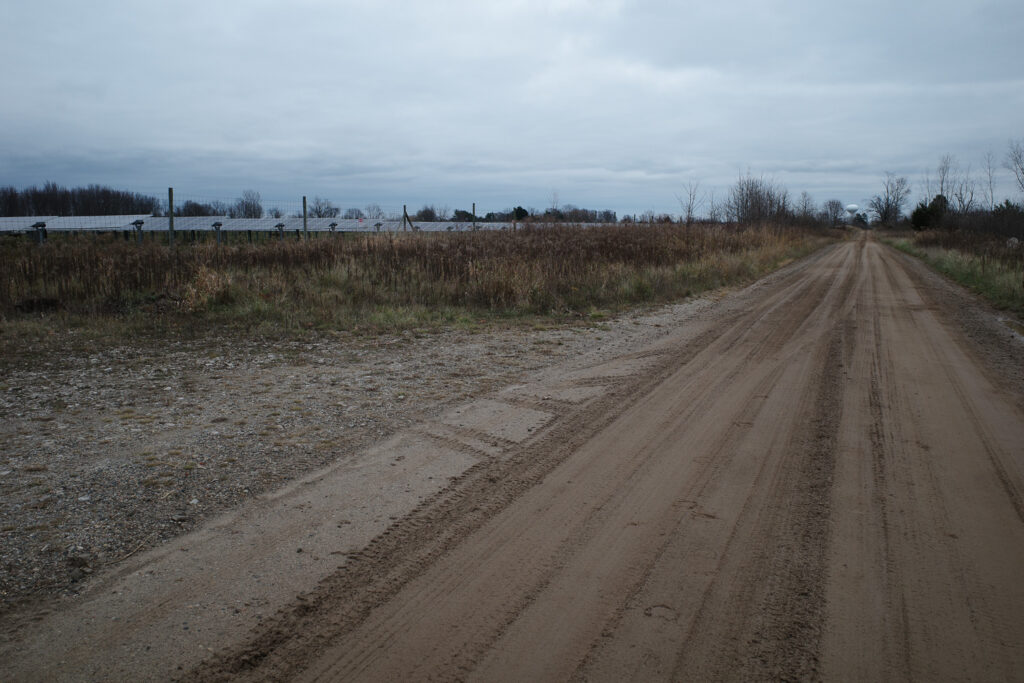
927 542
816 481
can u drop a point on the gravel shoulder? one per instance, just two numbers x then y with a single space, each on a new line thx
107 455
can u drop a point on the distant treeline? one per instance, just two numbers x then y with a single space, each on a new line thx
54 200
567 214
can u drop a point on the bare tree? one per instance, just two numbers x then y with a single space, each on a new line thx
322 208
219 208
834 211
374 212
249 205
927 189
1015 161
963 188
945 171
888 207
275 213
806 208
716 212
990 180
756 199
353 214
691 200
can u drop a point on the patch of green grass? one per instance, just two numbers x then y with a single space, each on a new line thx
998 280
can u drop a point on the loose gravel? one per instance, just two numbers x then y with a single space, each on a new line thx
105 455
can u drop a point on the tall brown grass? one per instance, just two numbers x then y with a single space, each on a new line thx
333 279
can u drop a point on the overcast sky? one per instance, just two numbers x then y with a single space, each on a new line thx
599 103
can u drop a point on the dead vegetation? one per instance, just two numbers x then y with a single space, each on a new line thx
383 281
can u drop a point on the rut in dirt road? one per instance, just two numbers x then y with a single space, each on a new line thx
818 477
825 482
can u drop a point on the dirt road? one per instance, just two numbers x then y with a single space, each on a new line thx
822 477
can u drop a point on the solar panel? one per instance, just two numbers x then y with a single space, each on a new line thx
23 223
204 223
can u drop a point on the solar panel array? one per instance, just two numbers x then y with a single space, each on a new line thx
204 223
23 223
64 223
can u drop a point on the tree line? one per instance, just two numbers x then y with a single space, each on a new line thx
249 205
955 197
757 199
98 200
751 200
566 213
55 200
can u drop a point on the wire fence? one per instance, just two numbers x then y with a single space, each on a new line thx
199 218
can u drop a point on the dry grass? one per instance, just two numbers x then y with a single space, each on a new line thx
371 281
983 262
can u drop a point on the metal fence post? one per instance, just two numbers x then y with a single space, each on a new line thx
305 225
170 216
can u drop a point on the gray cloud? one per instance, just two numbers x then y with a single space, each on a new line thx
611 104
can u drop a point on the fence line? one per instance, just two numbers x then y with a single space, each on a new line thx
146 223
283 219
301 224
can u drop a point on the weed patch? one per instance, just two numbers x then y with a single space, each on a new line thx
984 264
109 290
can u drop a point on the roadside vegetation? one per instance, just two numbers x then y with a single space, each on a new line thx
987 263
367 282
960 229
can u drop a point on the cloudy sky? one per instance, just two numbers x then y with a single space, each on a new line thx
596 103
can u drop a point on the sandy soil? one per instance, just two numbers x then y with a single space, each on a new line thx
820 477
110 452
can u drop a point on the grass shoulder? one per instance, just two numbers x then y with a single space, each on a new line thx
990 266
